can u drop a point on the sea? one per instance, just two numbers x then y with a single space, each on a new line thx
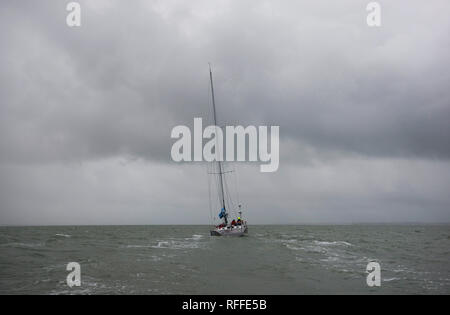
273 259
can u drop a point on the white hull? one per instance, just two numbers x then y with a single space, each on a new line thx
239 230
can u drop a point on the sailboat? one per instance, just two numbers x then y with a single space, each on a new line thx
225 228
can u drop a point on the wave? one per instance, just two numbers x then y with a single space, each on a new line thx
138 246
173 244
390 279
26 245
195 237
338 243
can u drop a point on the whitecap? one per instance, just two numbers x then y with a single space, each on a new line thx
194 237
63 235
176 244
138 246
292 247
390 279
332 243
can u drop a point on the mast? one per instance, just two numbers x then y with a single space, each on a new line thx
221 192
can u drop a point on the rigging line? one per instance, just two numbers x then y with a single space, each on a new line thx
209 96
208 169
236 185
224 172
218 189
229 199
213 165
217 143
209 196
230 191
217 201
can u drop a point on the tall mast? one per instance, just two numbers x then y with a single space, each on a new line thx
222 195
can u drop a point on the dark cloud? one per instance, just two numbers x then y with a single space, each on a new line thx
115 87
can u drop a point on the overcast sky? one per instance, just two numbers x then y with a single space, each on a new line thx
86 113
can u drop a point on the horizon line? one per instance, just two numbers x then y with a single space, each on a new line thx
259 224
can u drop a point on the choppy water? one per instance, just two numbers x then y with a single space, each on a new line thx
186 260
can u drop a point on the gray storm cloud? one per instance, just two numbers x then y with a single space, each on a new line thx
86 113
